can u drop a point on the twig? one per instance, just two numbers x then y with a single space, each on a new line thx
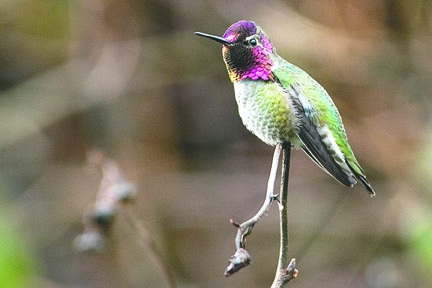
242 258
115 189
285 271
147 242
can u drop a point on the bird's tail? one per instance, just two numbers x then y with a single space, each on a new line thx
363 180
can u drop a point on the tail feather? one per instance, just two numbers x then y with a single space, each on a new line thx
363 181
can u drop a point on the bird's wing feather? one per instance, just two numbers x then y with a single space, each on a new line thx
302 89
311 138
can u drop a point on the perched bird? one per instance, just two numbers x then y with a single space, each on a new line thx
279 102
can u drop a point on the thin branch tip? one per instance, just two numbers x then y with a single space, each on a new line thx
236 224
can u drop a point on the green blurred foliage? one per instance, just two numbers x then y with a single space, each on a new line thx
420 243
42 18
16 261
16 264
35 36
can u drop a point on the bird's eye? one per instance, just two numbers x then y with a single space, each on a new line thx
251 42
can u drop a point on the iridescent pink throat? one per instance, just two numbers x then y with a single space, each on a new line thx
258 68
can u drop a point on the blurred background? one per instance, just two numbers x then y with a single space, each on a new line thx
130 78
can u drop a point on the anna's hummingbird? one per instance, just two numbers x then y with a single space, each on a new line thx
279 102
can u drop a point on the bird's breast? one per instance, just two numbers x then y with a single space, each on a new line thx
266 111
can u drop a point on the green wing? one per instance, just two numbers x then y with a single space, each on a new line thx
323 114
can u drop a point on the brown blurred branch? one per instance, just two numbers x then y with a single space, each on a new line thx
147 242
114 189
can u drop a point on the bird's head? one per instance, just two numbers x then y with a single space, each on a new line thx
246 50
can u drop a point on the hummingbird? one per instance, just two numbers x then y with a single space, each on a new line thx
280 103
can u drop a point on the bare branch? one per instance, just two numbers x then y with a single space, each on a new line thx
285 271
242 258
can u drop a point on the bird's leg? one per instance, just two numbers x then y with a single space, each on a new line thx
242 258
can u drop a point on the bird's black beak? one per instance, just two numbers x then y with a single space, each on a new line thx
215 38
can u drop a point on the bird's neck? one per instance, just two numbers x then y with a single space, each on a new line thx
250 64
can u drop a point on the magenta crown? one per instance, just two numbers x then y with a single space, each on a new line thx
240 30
